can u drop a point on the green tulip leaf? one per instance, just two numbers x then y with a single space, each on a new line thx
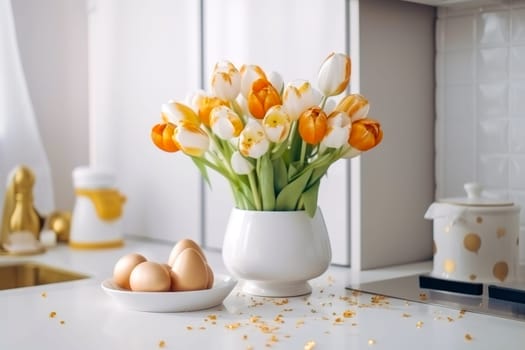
265 176
288 198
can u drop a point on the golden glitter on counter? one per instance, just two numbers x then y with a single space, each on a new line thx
371 341
233 325
419 324
43 295
468 337
162 344
310 345
52 314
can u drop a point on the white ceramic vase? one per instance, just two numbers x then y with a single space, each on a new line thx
275 253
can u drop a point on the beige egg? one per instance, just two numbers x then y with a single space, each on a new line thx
210 276
150 276
123 268
173 277
180 246
191 270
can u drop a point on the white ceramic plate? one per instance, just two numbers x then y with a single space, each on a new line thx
171 301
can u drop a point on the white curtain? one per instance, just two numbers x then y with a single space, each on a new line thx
20 142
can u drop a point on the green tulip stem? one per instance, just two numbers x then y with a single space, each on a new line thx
255 191
303 151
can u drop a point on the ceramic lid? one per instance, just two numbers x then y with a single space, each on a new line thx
475 199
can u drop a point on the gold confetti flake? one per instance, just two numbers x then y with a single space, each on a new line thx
274 338
233 325
299 323
310 345
254 319
212 317
371 341
280 302
43 295
479 220
245 336
423 296
189 328
348 313
339 320
468 337
450 319
202 328
501 232
162 344
62 322
52 314
405 315
419 324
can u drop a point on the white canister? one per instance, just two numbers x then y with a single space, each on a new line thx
96 218
475 238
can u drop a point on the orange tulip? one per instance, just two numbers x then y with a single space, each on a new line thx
313 125
262 97
162 136
204 106
355 105
365 134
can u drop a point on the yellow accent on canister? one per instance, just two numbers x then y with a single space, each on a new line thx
96 245
108 202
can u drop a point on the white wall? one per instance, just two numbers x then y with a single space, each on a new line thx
480 72
52 39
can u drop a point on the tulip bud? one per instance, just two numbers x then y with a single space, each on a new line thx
241 165
262 97
313 125
204 104
191 139
226 81
249 74
355 105
334 74
252 141
276 124
162 136
276 80
338 130
298 96
365 134
179 113
225 123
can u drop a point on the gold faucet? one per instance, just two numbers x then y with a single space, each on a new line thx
19 212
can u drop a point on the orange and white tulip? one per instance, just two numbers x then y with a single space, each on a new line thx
355 105
162 136
225 123
298 96
334 74
262 97
226 81
313 125
240 165
249 74
338 130
365 134
179 113
276 124
253 142
204 103
191 139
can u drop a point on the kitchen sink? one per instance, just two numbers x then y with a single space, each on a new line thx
26 274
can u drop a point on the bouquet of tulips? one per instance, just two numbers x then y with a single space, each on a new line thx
272 142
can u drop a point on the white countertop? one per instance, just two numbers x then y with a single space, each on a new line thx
332 317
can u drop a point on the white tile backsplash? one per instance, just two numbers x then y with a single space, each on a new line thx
480 101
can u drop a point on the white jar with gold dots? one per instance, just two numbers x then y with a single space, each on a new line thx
475 238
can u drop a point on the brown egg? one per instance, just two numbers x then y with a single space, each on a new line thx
123 268
210 276
150 276
190 270
180 246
